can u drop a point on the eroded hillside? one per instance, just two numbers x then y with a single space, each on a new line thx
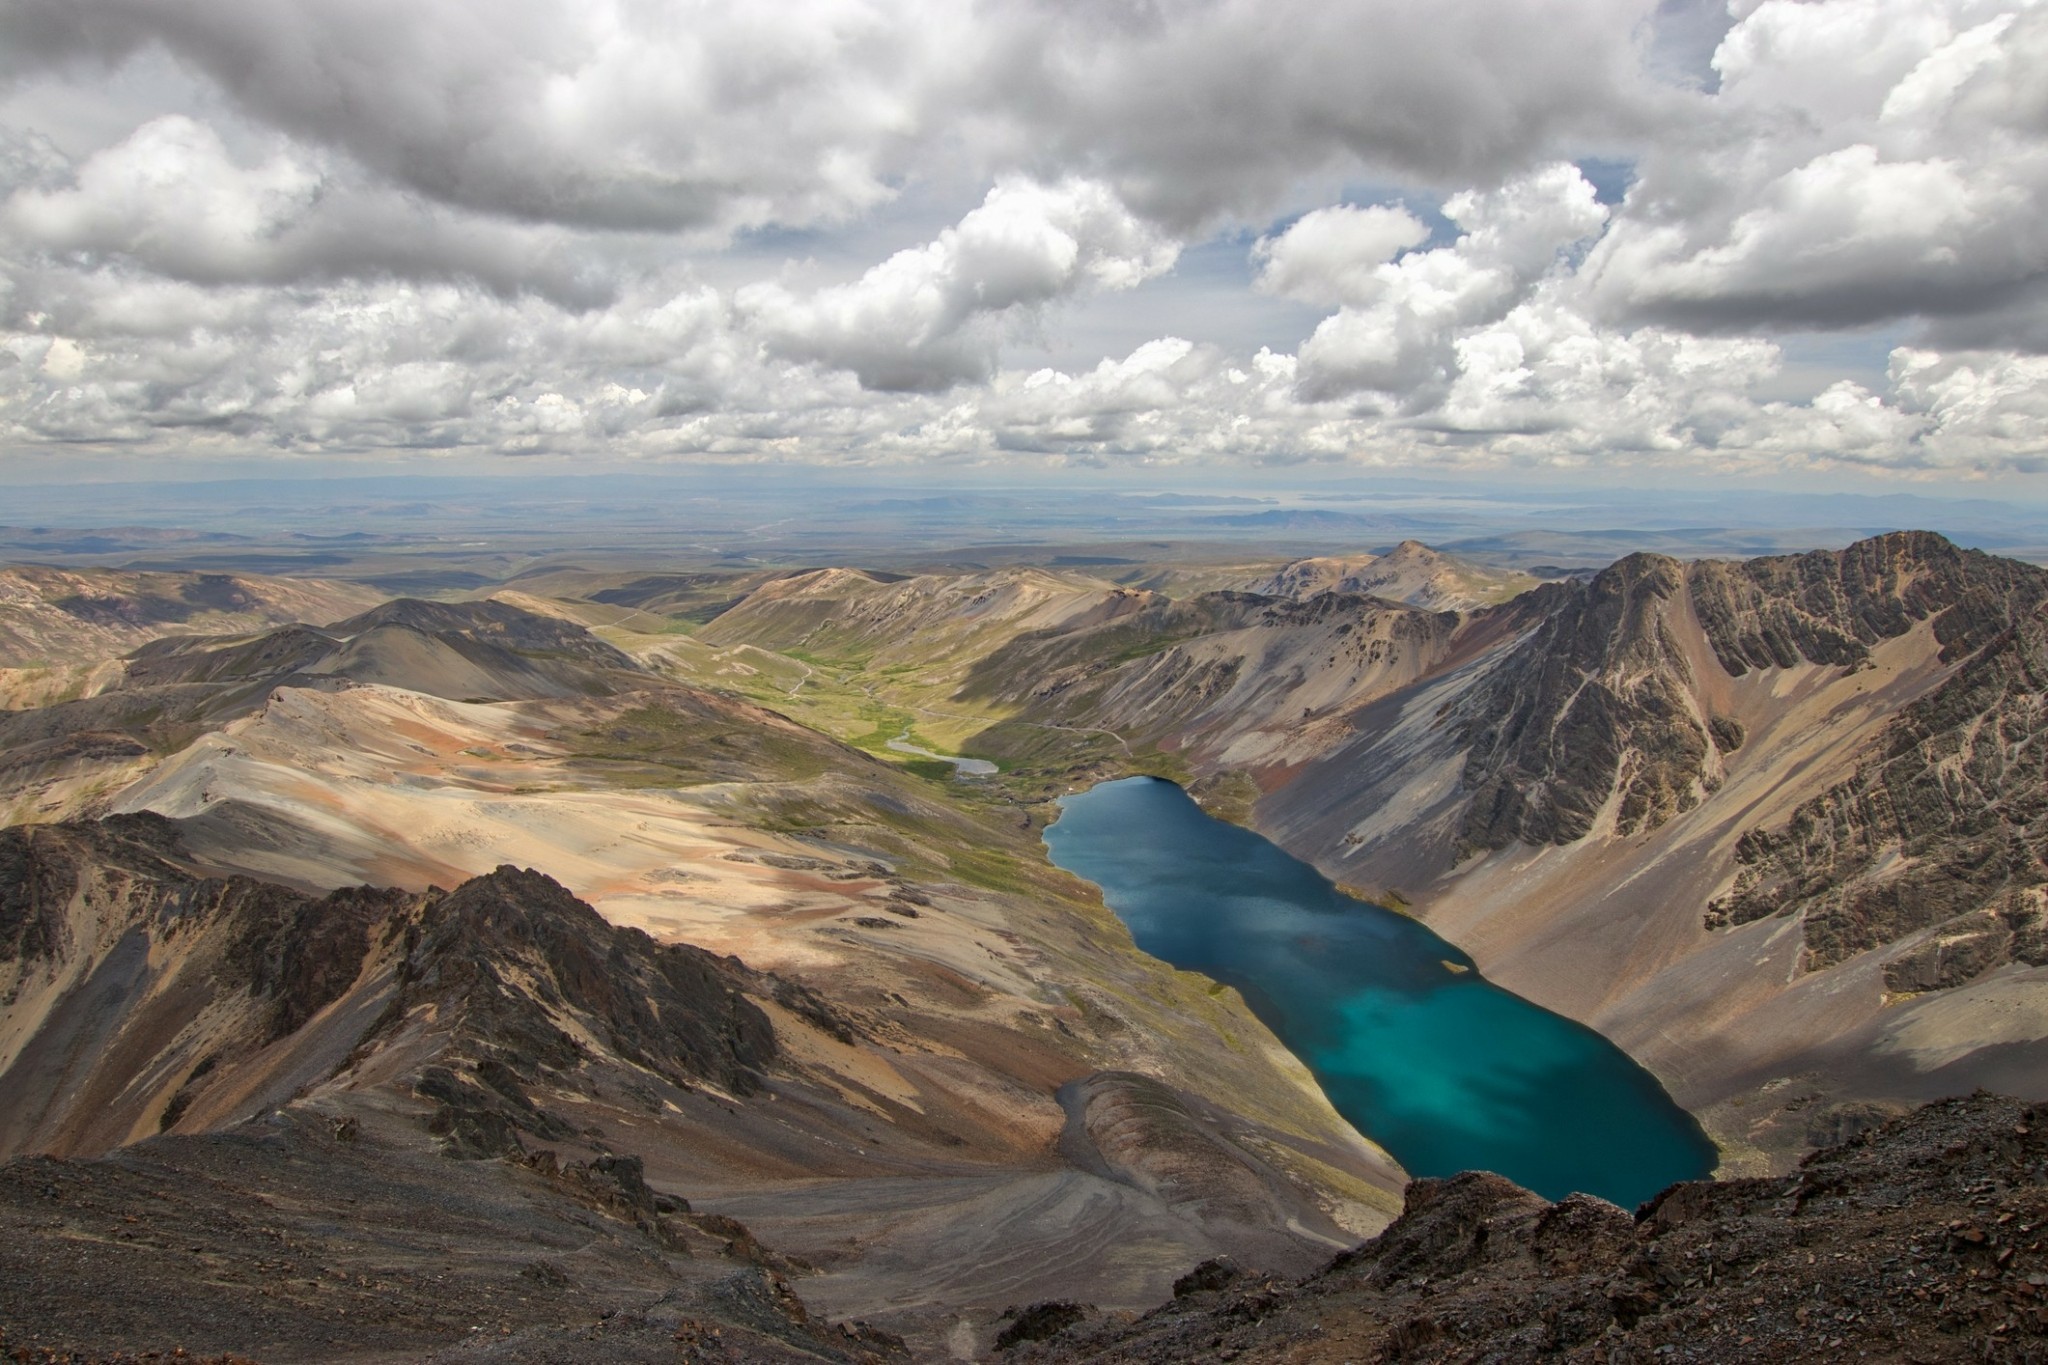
1768 824
1772 826
939 1053
58 625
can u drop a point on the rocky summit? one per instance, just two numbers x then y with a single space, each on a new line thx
1924 1241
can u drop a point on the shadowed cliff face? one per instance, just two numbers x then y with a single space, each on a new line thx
1596 700
1917 1242
141 997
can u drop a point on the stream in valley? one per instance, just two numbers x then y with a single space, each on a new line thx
962 767
1419 1051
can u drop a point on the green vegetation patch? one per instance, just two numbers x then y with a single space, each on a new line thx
1226 795
885 723
935 769
661 746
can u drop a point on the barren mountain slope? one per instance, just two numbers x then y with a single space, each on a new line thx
906 1135
1616 794
928 620
969 661
51 618
1011 1074
1569 806
322 1052
70 757
1231 681
1741 817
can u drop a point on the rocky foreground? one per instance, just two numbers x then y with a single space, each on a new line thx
487 1124
1924 1241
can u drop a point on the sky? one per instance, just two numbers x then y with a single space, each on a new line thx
1777 241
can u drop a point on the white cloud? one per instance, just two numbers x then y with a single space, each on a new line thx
1863 160
613 114
172 199
1980 410
699 114
1333 255
1400 338
1196 106
934 315
622 230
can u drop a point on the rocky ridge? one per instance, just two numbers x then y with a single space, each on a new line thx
312 1063
51 617
1939 828
1924 1241
142 998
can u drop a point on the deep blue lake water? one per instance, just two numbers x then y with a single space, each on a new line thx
1441 1067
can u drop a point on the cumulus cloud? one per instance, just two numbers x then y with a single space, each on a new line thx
1398 335
1195 106
171 199
700 114
597 229
933 316
1863 160
1333 255
395 366
612 114
1546 371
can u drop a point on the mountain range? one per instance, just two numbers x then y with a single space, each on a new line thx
601 900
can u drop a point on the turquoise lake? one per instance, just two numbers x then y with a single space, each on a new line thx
1441 1067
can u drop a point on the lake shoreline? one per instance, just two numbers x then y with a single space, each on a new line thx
1408 1039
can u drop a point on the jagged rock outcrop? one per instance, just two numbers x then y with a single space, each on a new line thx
1596 700
1831 606
1940 827
137 995
1601 702
1918 1241
503 955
